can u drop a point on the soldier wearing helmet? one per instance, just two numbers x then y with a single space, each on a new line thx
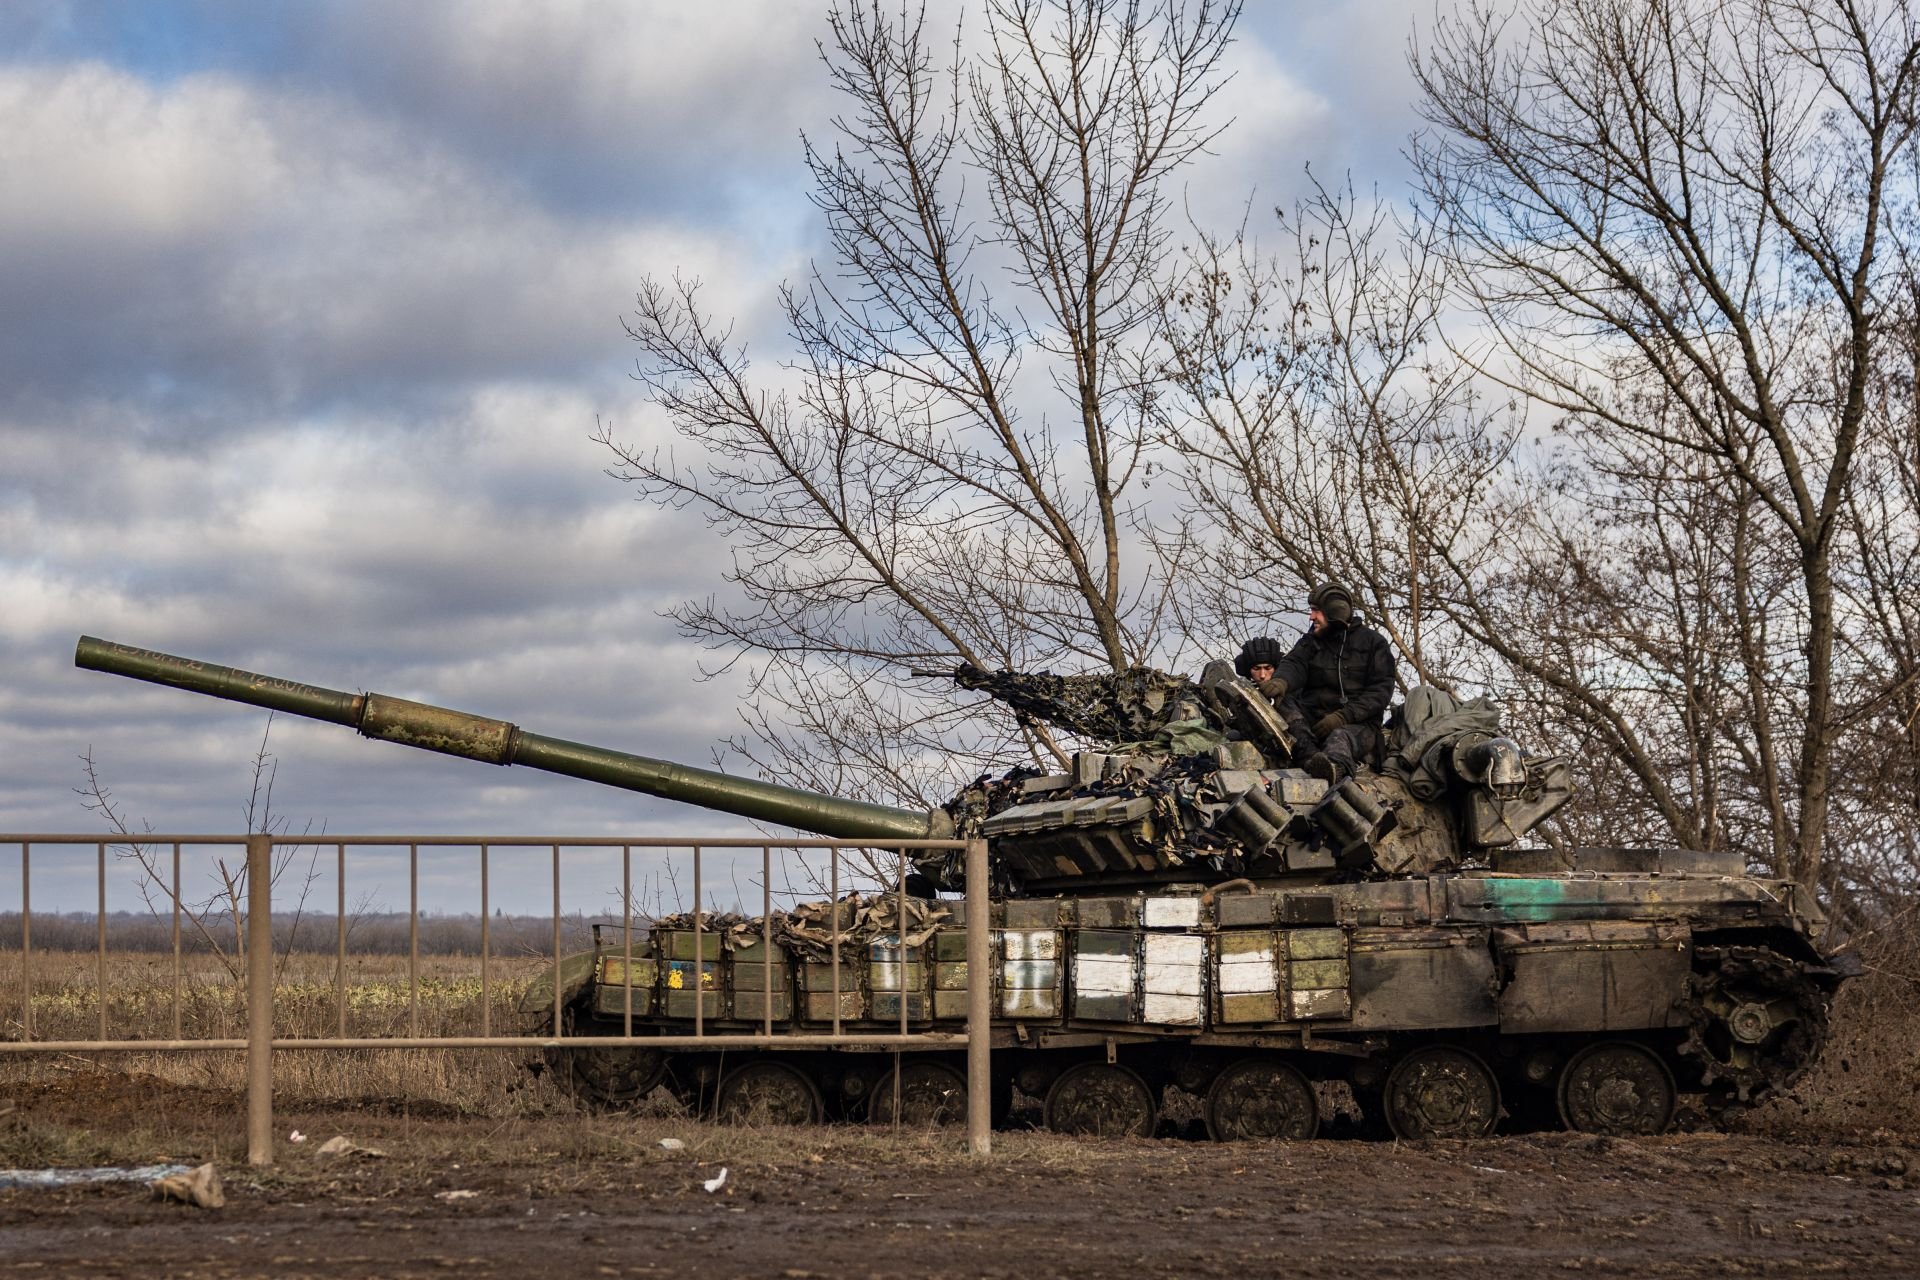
1332 687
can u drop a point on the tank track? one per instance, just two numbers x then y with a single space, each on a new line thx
1755 1021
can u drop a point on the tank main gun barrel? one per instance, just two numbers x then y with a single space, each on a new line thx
456 733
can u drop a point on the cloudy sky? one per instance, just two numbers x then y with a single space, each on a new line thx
307 313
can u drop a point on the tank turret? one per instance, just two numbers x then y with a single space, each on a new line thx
1191 782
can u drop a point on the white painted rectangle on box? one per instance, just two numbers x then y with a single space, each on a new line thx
1103 975
1171 913
1176 949
1319 1004
1031 944
1174 1010
1029 1004
1173 979
1030 975
1238 978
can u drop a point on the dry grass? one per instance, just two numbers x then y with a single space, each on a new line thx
1867 1083
1866 1086
443 998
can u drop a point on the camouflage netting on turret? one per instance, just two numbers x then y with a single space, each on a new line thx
1136 705
808 930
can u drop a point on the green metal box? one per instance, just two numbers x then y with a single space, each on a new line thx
678 944
820 1007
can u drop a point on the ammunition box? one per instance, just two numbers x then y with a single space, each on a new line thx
950 944
1030 944
950 976
949 1004
1318 1004
1250 1007
758 978
1173 1010
819 977
1103 1008
1035 913
820 1006
1258 942
751 1005
1100 942
1030 975
1243 909
1248 977
1104 976
888 977
1016 1003
684 975
1317 975
613 972
1108 913
678 944
886 1006
1315 944
679 1004
1171 913
610 997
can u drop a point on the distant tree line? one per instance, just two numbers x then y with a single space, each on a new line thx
378 934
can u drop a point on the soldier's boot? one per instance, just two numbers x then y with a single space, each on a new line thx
1325 767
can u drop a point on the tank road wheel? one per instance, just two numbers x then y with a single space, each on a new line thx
1755 1022
1618 1088
1257 1098
767 1092
1101 1100
611 1077
1442 1092
931 1093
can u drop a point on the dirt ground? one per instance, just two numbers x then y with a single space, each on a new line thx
584 1196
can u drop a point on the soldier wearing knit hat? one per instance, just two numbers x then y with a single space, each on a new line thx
1333 686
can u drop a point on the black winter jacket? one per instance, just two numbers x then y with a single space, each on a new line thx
1346 668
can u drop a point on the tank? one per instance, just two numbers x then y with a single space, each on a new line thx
1179 909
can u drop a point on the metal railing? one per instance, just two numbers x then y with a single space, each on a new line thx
257 950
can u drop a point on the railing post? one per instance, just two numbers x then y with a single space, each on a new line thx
259 999
979 1004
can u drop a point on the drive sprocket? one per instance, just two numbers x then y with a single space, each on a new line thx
1756 1021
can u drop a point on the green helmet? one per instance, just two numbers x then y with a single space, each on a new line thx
1333 600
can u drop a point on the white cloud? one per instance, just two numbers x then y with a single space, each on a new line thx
300 346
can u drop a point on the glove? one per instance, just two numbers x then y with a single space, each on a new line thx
1275 689
1327 723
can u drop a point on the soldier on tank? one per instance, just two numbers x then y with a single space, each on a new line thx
1332 687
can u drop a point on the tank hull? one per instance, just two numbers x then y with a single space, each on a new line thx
1448 1005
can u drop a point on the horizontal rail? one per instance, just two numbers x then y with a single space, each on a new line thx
470 842
927 1039
261 989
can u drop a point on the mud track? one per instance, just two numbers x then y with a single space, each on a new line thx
570 1197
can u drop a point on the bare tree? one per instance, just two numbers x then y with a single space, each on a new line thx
1325 430
951 467
226 903
1672 219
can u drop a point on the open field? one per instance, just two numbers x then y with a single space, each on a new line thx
1825 1180
592 1196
